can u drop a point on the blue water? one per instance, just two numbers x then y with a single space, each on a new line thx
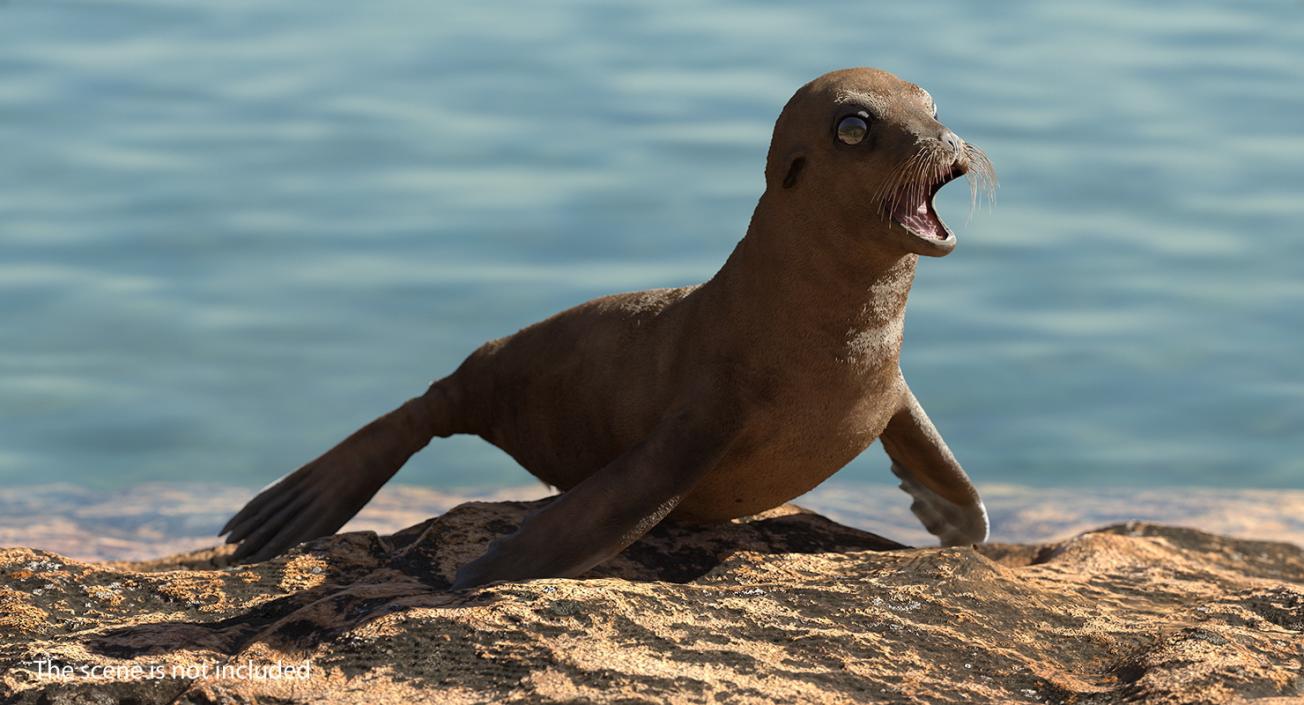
231 232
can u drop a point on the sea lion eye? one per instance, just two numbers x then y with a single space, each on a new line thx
852 129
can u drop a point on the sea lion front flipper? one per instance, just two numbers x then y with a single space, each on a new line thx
609 510
945 500
320 497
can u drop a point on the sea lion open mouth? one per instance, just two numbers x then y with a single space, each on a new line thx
906 198
918 214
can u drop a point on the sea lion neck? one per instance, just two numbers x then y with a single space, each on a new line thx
805 269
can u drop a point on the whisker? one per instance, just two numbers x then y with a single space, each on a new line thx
981 177
910 181
889 194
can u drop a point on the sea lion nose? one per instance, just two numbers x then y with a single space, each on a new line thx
952 140
956 145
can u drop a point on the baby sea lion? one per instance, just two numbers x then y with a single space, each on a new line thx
705 402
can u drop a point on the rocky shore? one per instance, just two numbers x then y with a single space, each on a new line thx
785 607
150 520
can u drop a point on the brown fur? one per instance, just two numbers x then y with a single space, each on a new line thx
714 401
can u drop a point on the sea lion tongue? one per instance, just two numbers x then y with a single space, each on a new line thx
921 220
918 215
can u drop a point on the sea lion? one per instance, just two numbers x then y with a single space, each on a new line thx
705 402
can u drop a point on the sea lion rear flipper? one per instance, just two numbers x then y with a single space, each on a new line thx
320 497
945 500
609 510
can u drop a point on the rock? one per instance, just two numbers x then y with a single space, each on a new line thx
135 522
784 607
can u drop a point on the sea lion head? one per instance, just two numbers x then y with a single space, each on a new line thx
866 148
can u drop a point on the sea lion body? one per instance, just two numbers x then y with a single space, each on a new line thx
551 406
548 404
706 402
550 410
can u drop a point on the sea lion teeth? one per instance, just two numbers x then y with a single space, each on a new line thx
704 402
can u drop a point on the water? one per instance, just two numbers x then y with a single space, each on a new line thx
232 232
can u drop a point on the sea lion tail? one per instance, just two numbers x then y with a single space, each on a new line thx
320 497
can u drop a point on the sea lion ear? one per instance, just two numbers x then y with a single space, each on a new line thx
795 166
